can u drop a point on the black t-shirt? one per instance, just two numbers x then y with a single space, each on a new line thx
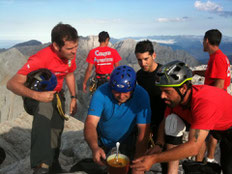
147 81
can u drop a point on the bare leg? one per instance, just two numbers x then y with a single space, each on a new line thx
212 147
200 156
173 166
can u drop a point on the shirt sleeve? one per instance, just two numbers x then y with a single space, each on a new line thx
117 57
205 115
34 62
144 114
96 104
90 57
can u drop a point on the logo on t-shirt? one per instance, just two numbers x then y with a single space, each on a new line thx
105 61
107 53
228 69
69 63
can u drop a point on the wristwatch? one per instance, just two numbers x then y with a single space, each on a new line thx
74 96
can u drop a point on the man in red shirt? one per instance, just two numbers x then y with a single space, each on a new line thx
48 124
217 74
205 108
103 58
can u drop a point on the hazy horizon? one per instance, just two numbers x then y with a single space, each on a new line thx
5 44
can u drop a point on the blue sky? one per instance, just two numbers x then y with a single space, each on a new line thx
34 19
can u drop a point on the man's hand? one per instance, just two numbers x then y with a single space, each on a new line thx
134 171
98 156
143 163
46 96
155 149
73 106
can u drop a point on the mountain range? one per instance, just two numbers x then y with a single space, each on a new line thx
191 44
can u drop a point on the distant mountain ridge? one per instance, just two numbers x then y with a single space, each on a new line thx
28 43
189 43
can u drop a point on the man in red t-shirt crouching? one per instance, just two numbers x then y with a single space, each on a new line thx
206 108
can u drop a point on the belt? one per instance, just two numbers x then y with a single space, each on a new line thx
102 75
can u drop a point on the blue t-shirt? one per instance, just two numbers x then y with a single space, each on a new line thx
118 121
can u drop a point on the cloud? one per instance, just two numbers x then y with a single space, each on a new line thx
208 6
212 7
170 41
163 20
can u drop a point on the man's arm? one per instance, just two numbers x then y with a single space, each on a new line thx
116 64
142 139
70 81
87 75
190 148
160 141
16 85
91 136
219 83
199 72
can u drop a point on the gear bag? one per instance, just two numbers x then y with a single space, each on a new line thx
193 167
87 165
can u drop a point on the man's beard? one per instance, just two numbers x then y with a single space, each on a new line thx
171 104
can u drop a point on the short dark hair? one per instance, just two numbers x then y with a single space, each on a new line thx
214 36
63 32
102 36
144 46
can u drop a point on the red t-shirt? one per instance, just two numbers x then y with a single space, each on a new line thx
211 109
47 58
104 59
218 68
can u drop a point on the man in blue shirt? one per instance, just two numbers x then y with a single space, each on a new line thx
119 111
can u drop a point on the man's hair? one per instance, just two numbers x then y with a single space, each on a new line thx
63 32
214 36
102 36
144 46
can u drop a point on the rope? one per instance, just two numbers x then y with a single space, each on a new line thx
59 107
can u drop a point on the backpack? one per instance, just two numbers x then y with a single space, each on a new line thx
193 167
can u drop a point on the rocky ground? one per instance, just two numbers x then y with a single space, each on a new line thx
15 139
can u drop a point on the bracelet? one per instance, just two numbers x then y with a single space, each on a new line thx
72 96
160 145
